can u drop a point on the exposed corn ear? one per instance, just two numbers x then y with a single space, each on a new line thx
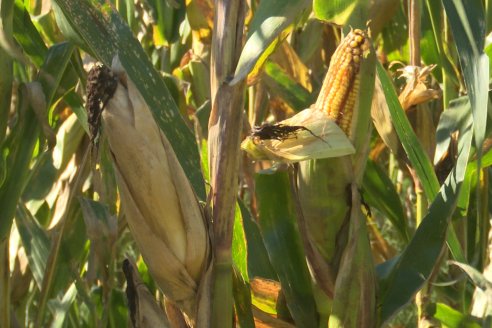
313 133
160 207
323 191
338 95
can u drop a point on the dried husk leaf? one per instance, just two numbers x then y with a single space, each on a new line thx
320 137
416 90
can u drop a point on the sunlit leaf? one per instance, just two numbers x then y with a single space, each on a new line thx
269 21
334 11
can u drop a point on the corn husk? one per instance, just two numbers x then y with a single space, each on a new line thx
160 206
320 137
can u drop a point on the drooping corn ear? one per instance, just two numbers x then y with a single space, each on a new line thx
160 206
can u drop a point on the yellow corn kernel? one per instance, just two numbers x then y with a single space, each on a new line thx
340 88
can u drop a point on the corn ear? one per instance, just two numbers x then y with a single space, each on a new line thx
340 90
160 207
323 185
327 125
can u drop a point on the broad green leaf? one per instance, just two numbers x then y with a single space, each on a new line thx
380 193
447 125
27 36
416 154
334 11
413 267
471 174
451 318
282 240
105 33
270 20
258 262
281 85
239 248
467 22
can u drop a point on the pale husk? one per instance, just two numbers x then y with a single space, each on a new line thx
320 137
160 207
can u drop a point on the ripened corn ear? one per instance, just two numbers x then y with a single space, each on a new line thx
323 184
322 131
160 207
338 95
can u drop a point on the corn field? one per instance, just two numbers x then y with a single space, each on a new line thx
245 163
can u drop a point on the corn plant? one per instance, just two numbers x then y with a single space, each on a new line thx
271 163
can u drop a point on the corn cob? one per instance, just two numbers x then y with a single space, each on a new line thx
160 207
340 88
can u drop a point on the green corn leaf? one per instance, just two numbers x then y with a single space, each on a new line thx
270 20
467 22
412 268
279 229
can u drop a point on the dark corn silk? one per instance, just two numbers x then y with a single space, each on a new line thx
101 85
340 88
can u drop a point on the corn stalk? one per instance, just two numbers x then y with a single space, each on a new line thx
224 135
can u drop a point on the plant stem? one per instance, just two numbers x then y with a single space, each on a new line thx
4 283
414 15
224 138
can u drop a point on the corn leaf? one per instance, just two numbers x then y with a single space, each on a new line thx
467 21
282 241
27 36
269 21
412 268
334 11
416 154
258 262
451 318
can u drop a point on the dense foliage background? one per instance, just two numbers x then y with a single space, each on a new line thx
425 188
